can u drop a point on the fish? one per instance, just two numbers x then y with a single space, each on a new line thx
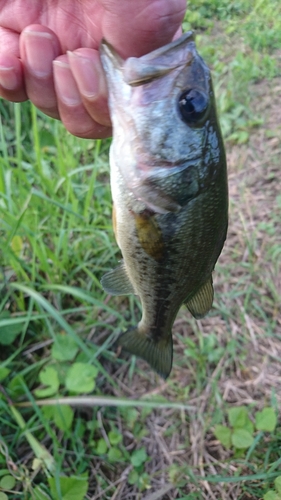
169 190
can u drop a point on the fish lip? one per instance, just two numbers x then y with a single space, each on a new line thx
146 69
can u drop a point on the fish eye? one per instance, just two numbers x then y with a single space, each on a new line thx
193 104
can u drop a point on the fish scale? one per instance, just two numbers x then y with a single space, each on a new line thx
169 189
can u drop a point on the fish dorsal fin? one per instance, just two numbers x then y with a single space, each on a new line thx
117 282
202 301
157 353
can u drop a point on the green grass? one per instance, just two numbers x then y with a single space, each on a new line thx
76 419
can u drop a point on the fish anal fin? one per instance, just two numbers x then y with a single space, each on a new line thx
117 282
200 304
157 353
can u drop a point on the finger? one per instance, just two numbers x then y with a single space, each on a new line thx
89 76
136 28
11 79
11 72
178 33
39 46
71 108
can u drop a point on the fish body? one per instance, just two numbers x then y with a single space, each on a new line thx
169 190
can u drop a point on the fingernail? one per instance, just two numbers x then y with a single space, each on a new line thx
39 52
90 81
8 79
65 84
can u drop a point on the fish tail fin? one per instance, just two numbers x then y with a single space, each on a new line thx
157 353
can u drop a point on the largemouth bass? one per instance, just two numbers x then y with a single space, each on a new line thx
169 190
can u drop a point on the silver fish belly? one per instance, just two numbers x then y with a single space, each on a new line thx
169 190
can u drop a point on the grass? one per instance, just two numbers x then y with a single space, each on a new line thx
77 420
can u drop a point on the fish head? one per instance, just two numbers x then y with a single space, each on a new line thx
167 142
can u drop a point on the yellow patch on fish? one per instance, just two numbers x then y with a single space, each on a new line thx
149 234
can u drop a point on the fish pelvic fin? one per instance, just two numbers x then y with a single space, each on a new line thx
117 282
157 353
200 304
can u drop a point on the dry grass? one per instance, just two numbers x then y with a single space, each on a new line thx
247 313
231 358
184 457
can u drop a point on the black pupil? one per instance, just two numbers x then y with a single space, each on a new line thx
193 104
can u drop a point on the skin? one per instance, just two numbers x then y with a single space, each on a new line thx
50 54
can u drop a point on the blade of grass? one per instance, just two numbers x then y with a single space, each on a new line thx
39 450
91 401
41 301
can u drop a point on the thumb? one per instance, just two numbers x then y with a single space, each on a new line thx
136 28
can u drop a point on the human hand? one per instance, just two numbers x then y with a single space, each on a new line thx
49 52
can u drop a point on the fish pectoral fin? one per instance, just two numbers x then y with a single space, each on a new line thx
157 353
202 301
117 282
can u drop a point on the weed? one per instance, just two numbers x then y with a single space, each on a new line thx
240 433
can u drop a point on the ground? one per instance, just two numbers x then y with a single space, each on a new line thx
246 315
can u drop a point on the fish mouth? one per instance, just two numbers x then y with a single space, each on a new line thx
139 70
